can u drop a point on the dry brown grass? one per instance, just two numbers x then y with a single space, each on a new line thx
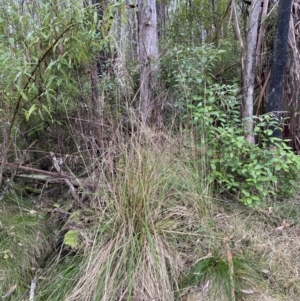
267 239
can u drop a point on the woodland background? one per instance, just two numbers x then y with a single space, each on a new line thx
149 150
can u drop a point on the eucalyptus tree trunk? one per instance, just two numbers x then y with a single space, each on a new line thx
250 70
279 58
148 59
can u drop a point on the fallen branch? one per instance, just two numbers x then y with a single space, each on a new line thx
77 182
72 190
50 177
35 170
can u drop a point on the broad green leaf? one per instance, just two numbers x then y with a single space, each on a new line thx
71 239
11 41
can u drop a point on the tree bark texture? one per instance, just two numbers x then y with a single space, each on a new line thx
97 70
148 58
279 58
102 56
250 70
95 104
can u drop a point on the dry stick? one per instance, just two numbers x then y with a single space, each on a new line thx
32 289
222 71
52 177
76 182
262 92
3 148
238 33
261 33
72 190
39 171
231 273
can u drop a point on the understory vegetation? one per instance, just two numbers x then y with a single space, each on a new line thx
97 206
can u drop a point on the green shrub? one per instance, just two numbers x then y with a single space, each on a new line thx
251 172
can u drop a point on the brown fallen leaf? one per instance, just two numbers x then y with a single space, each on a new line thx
10 291
225 239
285 224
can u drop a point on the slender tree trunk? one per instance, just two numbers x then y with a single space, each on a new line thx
96 69
236 25
95 104
279 58
148 58
161 7
261 35
250 70
94 85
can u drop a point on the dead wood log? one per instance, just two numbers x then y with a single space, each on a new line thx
31 173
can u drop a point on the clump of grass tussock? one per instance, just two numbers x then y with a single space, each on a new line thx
149 214
23 240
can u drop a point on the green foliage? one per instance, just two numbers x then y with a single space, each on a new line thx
44 49
198 21
252 173
61 276
187 71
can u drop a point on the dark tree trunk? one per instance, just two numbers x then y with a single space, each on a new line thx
279 58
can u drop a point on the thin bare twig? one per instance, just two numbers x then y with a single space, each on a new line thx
32 289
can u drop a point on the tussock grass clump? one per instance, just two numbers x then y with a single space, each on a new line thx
148 214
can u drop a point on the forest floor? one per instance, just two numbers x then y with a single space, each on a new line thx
153 231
